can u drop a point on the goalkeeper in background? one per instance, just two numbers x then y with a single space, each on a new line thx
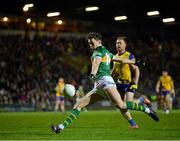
126 76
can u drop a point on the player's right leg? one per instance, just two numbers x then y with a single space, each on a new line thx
161 102
164 103
62 106
56 108
126 97
62 103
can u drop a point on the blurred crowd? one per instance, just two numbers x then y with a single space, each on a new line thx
30 68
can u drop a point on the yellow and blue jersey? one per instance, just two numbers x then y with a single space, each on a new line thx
59 89
123 70
166 83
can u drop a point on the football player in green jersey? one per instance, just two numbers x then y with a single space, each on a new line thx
103 84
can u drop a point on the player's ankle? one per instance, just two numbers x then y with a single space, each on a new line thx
61 126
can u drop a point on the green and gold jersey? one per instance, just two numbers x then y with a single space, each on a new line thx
106 56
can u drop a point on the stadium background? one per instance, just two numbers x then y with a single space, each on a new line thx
35 54
35 50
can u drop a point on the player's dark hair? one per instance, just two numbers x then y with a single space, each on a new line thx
94 35
122 38
165 69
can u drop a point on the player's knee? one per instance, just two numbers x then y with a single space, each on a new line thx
122 109
121 106
78 105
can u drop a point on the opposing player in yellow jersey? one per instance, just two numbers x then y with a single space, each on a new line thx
59 95
125 81
165 90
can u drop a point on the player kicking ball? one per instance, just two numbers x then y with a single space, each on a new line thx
103 84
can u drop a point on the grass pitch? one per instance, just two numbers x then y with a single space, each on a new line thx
91 125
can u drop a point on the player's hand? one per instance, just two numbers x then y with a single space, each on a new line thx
92 77
173 94
158 91
173 97
133 86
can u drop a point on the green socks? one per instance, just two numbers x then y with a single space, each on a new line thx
72 116
135 106
75 113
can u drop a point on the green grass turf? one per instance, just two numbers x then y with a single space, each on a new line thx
91 125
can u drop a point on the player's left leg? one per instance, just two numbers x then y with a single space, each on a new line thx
168 100
62 106
165 97
88 99
122 88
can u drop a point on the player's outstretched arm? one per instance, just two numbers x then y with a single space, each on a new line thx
123 60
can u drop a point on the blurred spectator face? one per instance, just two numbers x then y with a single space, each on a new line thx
61 80
164 73
120 45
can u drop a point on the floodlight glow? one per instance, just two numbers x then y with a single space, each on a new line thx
93 8
25 8
5 19
119 18
59 21
29 5
152 13
53 14
168 20
28 20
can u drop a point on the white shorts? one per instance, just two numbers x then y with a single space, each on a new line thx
103 83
